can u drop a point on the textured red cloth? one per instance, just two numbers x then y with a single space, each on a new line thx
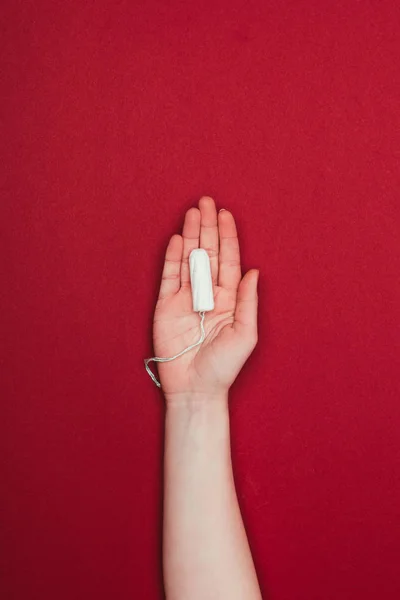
118 116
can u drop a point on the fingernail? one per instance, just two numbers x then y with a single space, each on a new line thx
221 209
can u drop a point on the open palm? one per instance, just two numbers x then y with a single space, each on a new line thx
231 328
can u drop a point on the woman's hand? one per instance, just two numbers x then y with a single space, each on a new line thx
208 370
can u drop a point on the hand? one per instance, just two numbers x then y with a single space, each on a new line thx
208 370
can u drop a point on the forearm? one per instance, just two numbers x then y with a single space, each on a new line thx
205 549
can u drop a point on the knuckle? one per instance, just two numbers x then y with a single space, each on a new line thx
233 262
212 252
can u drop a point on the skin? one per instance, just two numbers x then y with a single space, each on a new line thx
206 554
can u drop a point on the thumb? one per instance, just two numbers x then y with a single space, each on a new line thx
247 304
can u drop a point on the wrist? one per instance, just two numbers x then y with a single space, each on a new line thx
196 400
204 418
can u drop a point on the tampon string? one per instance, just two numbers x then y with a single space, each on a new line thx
159 359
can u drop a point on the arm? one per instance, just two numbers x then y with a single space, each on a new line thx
206 553
205 550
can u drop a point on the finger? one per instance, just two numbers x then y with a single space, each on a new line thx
230 272
191 239
171 275
247 304
209 233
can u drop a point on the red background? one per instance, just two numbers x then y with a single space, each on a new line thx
118 117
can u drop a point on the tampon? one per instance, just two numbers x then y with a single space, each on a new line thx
200 279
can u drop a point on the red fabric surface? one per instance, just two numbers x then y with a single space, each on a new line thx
118 116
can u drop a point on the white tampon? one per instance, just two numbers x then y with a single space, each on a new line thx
200 279
202 297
